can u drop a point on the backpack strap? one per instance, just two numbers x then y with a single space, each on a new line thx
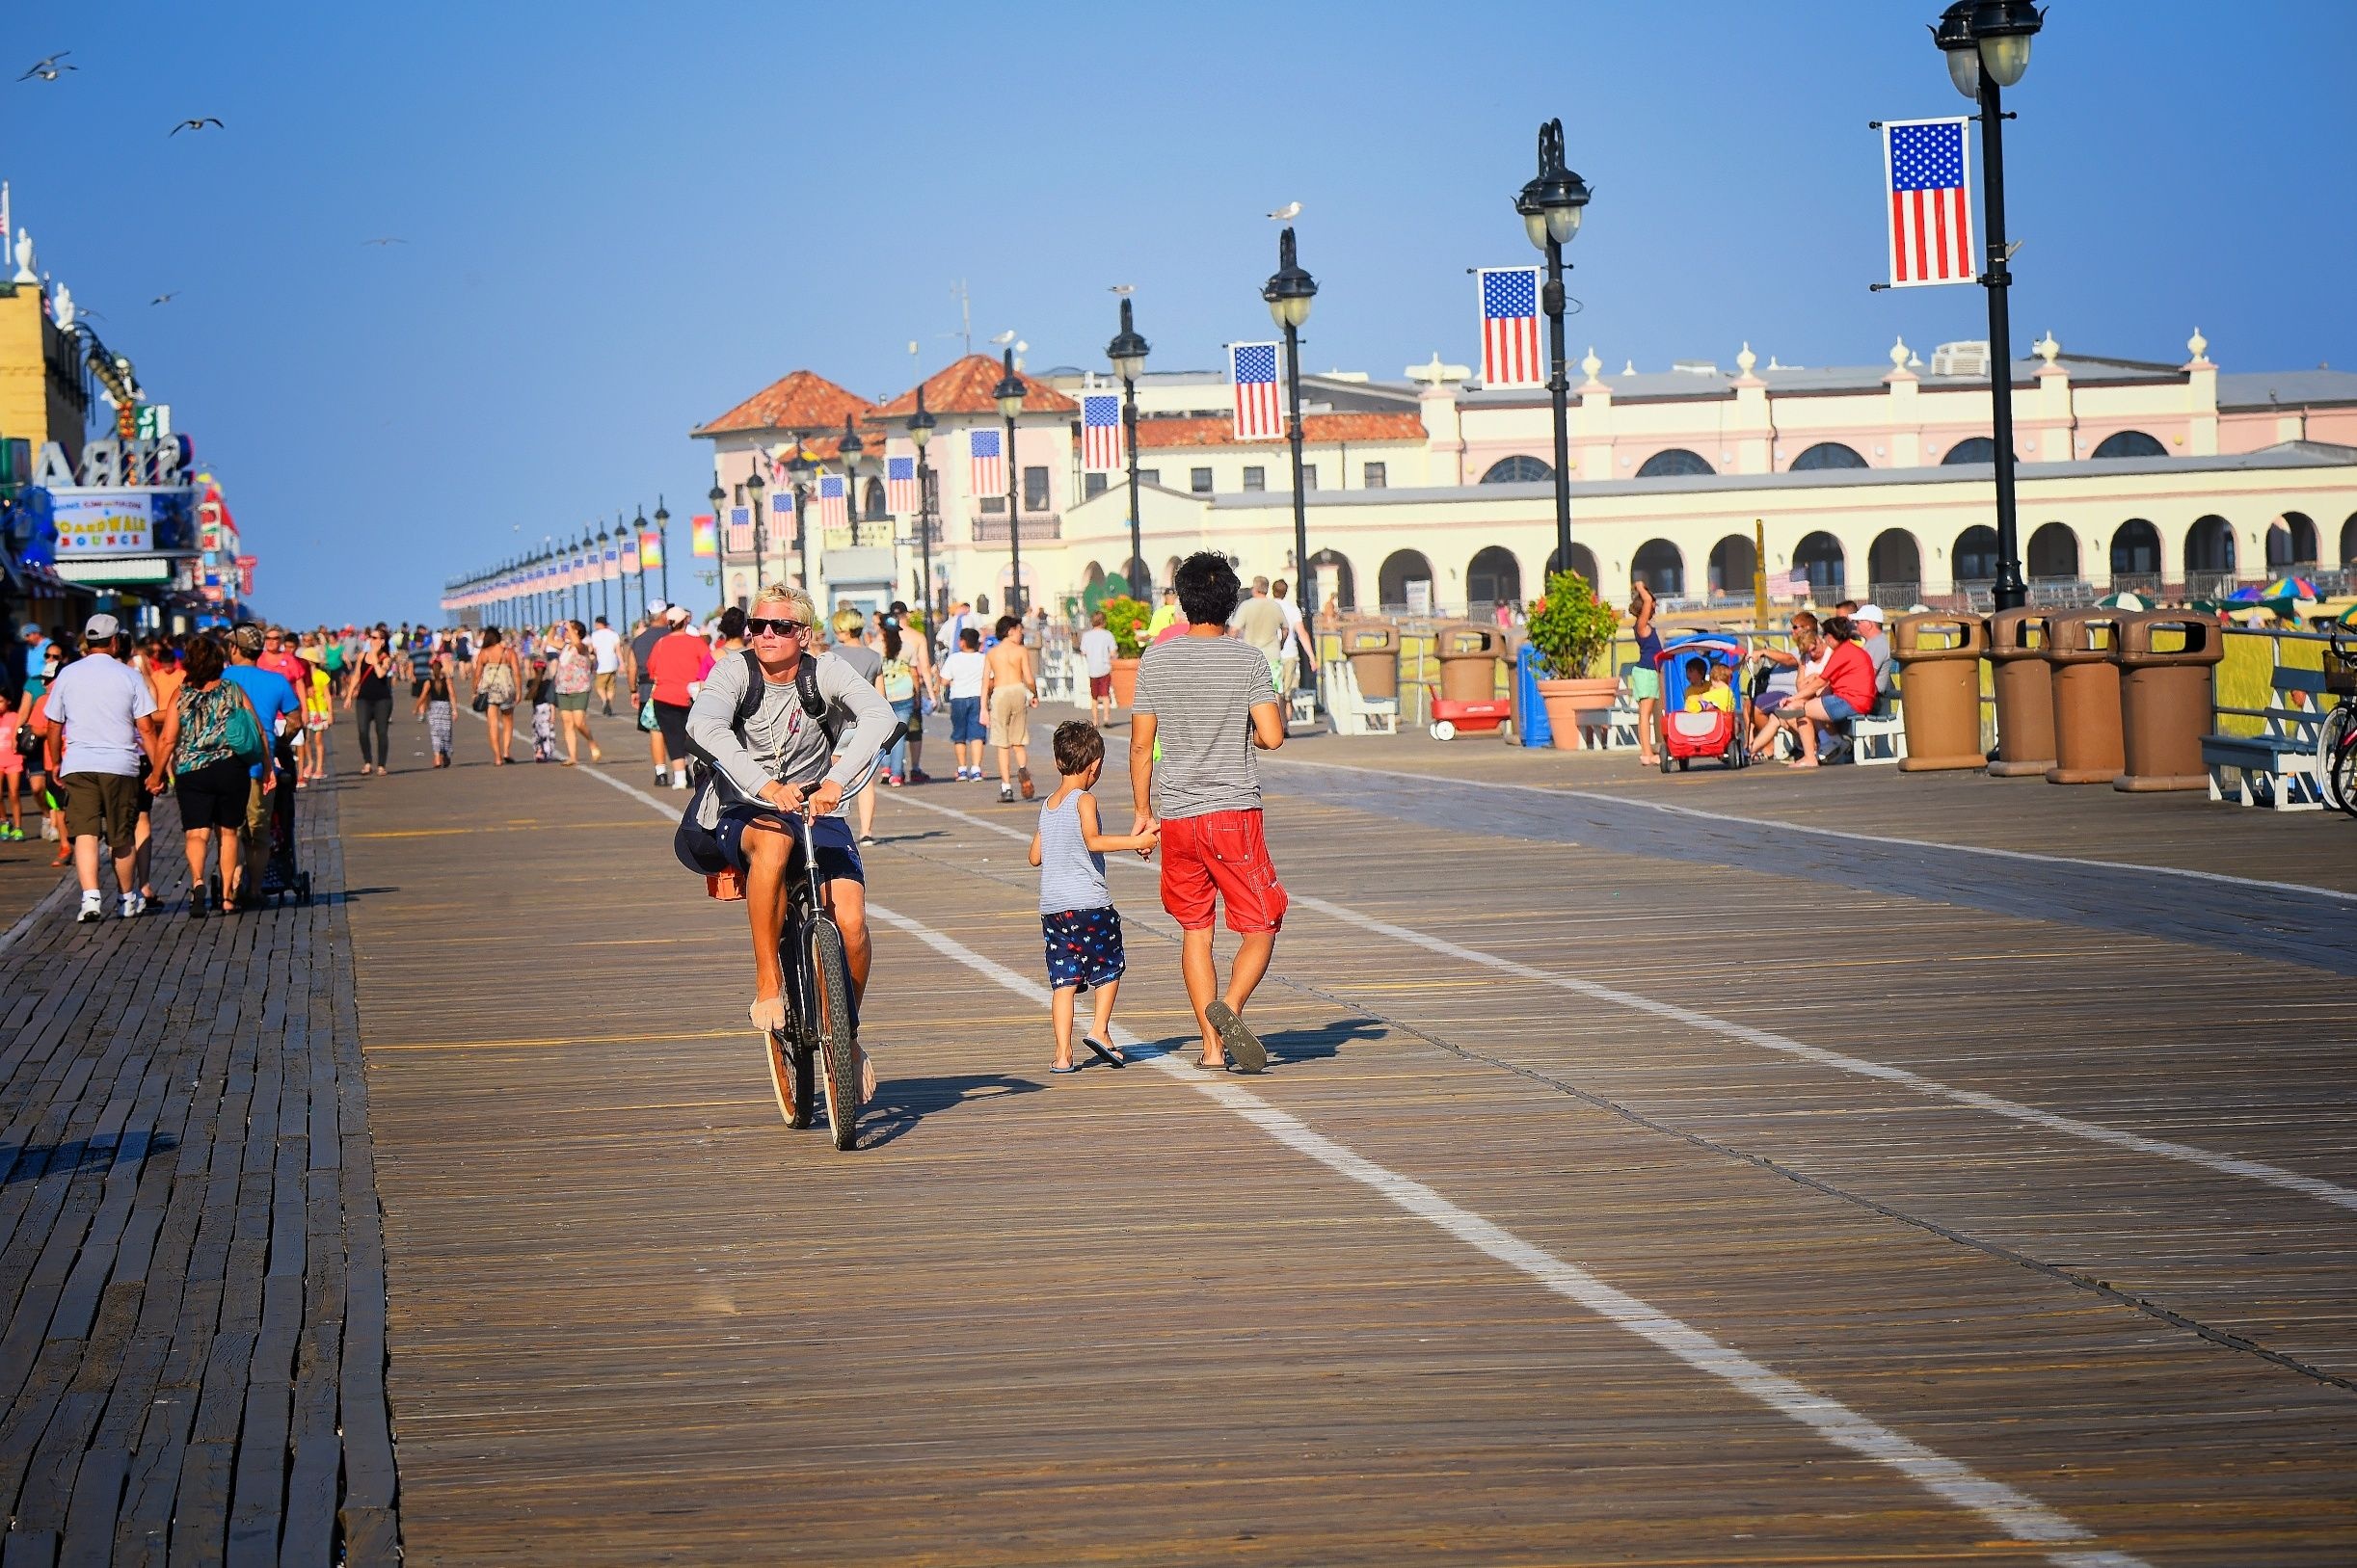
806 688
750 702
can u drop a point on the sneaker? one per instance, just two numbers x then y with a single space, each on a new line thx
128 905
866 838
662 777
1007 795
94 909
678 782
48 831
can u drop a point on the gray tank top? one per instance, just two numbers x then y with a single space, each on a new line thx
1071 874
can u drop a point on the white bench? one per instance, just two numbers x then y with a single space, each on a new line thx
2278 768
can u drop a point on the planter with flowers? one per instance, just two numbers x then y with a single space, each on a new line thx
1126 619
1572 630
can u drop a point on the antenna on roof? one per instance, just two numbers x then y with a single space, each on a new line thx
965 311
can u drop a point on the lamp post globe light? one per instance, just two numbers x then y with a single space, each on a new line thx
1551 205
798 471
1128 353
921 432
1009 394
662 540
1289 292
1985 43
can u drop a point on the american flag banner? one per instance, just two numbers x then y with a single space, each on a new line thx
650 549
1100 432
782 531
1509 327
740 530
901 486
612 564
629 553
833 511
988 476
703 538
1931 201
1259 415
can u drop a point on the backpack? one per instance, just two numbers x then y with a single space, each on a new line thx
899 682
696 844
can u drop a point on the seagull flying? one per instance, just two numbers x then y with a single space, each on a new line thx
1286 213
196 124
165 299
387 240
48 70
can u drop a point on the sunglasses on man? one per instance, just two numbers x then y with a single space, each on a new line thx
761 625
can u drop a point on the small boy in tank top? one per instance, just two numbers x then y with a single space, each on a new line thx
1077 919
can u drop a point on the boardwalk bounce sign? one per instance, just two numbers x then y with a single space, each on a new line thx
103 522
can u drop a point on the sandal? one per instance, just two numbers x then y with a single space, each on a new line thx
1109 1056
1241 1042
1023 777
1069 1067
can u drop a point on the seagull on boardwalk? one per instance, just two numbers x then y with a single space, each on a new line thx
165 299
1286 213
196 124
48 70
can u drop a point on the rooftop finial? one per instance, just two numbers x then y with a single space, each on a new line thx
1591 364
1898 355
2046 349
1745 360
2199 344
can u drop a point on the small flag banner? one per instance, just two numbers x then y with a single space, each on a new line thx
650 549
834 511
1926 172
901 486
629 553
988 475
1509 327
1252 368
703 538
1100 432
740 530
611 565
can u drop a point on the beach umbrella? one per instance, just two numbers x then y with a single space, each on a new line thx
2248 593
2289 588
2119 601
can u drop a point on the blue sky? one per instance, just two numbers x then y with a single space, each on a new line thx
622 218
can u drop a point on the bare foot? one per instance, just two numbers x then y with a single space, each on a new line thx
1807 763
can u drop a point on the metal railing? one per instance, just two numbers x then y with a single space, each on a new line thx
2211 585
994 530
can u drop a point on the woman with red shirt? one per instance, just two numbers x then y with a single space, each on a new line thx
1844 691
677 665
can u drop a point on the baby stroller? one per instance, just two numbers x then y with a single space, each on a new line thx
281 878
1713 733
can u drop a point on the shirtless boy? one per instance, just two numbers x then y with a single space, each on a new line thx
1010 690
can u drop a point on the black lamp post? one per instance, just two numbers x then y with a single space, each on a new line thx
720 535
919 432
1289 291
1551 205
1009 395
1986 46
799 467
662 540
597 569
638 532
757 490
852 449
606 599
1128 353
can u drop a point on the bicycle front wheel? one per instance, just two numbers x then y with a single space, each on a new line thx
2333 738
835 1041
2341 775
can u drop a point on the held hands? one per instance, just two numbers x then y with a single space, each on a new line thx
1146 827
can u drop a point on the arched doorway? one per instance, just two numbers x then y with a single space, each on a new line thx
2209 545
2129 444
1973 558
1493 577
1139 580
2053 552
1894 567
1518 470
1734 562
873 501
2135 551
1673 464
1829 454
1405 584
2292 543
1660 567
1971 449
2348 541
1819 555
1330 578
1583 562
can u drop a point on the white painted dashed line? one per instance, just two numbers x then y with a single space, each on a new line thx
2021 1517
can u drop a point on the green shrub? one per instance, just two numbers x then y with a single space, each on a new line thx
1126 619
1570 626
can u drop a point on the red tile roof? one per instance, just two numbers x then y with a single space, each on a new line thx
965 389
1317 429
802 401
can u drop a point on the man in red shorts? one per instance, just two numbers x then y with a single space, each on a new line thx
1208 698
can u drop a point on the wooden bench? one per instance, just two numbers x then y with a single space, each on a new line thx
2278 768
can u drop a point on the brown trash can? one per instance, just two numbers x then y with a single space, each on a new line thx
1468 654
1372 648
1939 658
2169 701
2024 689
2086 683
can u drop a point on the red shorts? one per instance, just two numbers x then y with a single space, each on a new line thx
1100 685
1220 853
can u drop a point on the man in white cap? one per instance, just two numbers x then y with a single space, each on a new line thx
1871 638
642 643
108 717
675 668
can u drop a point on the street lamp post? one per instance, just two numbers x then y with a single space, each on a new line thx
1289 292
1009 395
638 532
1550 207
720 535
589 557
757 490
850 449
1128 353
662 540
798 468
919 432
1986 46
606 599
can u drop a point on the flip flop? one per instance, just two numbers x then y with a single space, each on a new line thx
1241 1042
1061 1071
1109 1056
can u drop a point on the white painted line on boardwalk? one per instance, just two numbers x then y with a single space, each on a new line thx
2012 1110
1826 833
2021 1516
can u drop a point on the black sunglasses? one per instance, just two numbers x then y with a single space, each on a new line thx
756 624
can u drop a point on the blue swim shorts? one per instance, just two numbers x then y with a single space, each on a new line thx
1084 948
838 849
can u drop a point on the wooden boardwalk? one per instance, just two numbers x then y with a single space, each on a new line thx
1717 1195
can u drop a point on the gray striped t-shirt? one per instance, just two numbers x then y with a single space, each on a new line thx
1201 691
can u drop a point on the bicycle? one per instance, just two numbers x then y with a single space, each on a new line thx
821 1021
2337 734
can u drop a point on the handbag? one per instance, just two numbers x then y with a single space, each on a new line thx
243 734
481 702
646 715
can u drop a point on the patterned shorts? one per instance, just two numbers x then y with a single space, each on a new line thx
1084 948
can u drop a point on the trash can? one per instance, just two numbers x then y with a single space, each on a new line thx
1939 658
1372 648
2024 690
2167 700
2086 683
1468 654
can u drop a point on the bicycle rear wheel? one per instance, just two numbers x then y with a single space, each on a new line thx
2334 737
834 1039
2341 775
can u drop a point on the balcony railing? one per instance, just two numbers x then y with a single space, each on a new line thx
1035 525
2211 585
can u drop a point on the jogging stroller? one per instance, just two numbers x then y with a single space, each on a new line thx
281 877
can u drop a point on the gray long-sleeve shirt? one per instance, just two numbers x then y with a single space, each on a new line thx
781 741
